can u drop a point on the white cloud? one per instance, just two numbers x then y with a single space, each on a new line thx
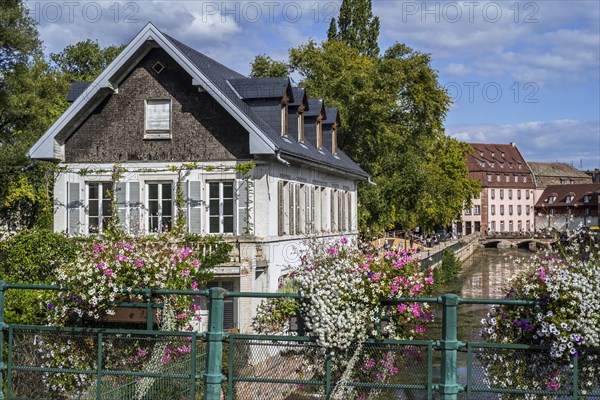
456 69
569 141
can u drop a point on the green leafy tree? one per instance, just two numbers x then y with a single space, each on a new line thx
29 101
357 27
392 110
264 66
84 60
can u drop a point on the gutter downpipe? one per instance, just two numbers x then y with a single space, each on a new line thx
281 160
371 182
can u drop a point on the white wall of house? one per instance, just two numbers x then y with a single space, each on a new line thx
254 270
500 203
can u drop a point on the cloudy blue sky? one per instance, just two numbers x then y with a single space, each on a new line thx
520 71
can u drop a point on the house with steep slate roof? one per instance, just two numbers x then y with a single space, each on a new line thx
505 204
162 106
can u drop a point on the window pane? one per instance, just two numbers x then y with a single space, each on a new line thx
106 209
213 207
93 190
214 225
93 206
153 224
106 188
213 189
153 191
228 224
228 207
153 208
167 208
93 224
167 191
227 190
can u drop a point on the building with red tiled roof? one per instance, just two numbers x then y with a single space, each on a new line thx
565 207
507 190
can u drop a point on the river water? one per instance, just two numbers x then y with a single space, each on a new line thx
483 275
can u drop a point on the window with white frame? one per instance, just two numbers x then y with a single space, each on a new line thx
99 207
284 120
501 209
519 209
518 194
489 177
527 194
510 194
160 206
492 194
477 210
158 119
318 227
300 127
501 194
510 209
493 210
220 207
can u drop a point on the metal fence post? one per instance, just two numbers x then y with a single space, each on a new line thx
2 325
214 345
449 388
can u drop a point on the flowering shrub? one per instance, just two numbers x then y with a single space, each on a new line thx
96 279
568 321
341 306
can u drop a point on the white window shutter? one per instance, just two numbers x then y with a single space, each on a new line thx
73 208
280 205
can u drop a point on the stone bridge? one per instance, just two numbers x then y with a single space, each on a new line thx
527 242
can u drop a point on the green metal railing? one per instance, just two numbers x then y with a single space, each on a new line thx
250 367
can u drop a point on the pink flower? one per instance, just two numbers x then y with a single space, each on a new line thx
108 272
185 272
166 359
420 329
394 371
401 307
344 240
138 263
180 316
333 250
375 277
416 310
121 257
194 285
429 280
101 265
196 263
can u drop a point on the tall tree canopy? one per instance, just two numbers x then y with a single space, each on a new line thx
357 27
392 111
33 96
264 66
84 60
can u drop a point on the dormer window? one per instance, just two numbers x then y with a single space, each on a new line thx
587 198
551 199
300 127
481 154
502 154
493 154
157 119
519 165
319 127
284 120
569 199
334 139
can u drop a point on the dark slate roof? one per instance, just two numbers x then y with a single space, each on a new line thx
76 89
299 98
261 88
315 106
576 190
218 75
332 116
